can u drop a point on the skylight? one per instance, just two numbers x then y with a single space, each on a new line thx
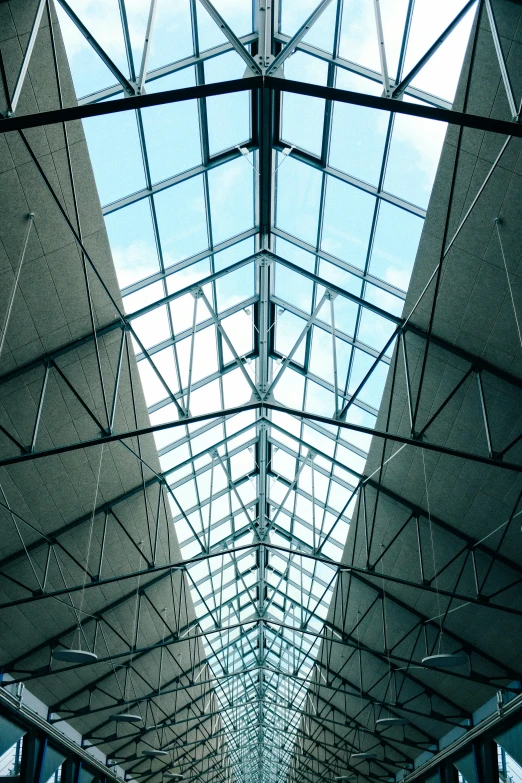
303 312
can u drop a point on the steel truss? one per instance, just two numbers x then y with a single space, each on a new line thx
267 692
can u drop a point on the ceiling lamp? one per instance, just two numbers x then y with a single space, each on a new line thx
445 660
126 717
173 775
362 756
74 656
384 723
344 777
153 753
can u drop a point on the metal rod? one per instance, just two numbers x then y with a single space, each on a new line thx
146 47
15 283
382 48
27 56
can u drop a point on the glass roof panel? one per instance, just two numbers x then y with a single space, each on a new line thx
348 215
182 221
114 147
414 154
298 199
358 133
172 131
133 245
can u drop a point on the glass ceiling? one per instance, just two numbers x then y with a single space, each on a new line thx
304 311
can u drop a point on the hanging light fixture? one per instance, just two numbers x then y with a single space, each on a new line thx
445 660
68 655
154 753
363 756
173 775
384 723
344 777
126 717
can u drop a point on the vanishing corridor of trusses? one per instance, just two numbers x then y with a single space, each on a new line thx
281 318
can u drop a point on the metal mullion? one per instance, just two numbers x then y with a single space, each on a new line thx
343 336
337 440
191 355
194 259
234 535
294 515
335 261
320 381
199 385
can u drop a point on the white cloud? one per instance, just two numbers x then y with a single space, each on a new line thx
134 262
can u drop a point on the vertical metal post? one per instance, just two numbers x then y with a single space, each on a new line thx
27 56
146 47
382 49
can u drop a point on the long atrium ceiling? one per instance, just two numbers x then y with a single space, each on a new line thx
264 244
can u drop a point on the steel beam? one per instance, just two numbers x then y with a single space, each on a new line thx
271 84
